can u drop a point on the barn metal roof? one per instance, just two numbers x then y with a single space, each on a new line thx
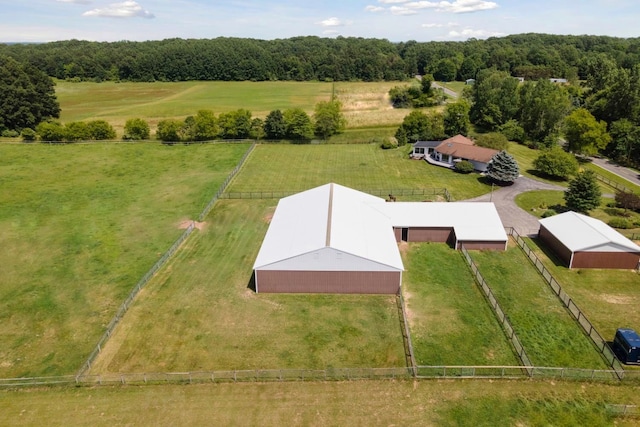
353 222
330 216
582 233
471 221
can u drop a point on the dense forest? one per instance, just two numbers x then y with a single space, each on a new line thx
531 56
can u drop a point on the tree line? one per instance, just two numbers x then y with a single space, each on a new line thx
291 124
531 56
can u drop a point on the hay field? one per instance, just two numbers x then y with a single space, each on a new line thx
364 104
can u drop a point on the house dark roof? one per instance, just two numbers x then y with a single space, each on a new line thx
427 144
465 151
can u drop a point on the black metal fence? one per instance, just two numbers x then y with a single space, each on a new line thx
329 374
132 295
224 185
402 192
497 310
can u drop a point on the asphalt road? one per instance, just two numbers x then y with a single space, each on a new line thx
447 91
630 175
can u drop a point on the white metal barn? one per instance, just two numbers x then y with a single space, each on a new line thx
329 239
584 242
333 239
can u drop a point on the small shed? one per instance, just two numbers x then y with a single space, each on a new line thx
584 242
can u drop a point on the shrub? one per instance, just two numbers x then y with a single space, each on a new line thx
28 135
556 163
388 143
136 129
10 133
513 131
628 200
548 213
494 140
464 167
619 222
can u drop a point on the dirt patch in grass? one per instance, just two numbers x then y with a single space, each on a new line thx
184 224
617 299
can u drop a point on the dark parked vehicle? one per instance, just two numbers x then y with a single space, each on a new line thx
626 346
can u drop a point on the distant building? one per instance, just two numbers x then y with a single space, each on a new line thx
561 81
470 81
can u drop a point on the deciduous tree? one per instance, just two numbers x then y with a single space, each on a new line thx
136 129
556 163
584 133
328 118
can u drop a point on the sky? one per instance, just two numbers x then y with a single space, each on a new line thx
394 20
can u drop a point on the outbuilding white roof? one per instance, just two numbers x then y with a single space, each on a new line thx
471 221
582 233
330 216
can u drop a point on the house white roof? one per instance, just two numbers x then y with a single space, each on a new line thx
471 221
330 216
582 233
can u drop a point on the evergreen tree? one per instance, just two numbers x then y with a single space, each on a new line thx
583 193
503 168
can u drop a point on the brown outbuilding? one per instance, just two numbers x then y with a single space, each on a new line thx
584 242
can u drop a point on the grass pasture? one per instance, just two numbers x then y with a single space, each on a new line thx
199 314
277 167
547 331
609 298
450 321
81 224
430 403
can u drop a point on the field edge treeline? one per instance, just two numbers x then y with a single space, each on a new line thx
308 58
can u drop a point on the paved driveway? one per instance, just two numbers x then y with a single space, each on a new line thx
630 175
510 214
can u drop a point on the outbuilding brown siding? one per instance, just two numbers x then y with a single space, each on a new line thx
555 245
333 282
430 234
620 260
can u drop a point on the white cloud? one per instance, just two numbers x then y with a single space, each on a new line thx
331 22
465 6
406 7
447 25
471 33
126 9
401 10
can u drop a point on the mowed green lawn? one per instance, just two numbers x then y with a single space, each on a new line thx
80 225
278 167
200 314
609 298
545 328
451 323
403 403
